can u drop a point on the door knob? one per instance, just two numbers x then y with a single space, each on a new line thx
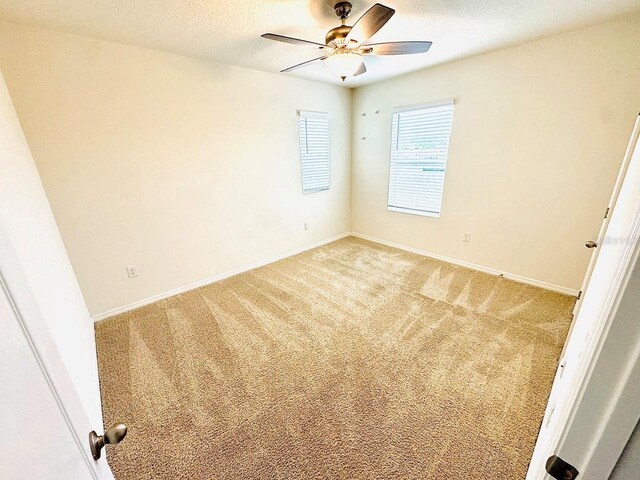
112 435
591 244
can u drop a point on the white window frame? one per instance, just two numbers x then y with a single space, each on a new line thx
408 108
307 160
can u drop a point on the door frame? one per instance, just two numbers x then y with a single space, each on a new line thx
635 133
550 440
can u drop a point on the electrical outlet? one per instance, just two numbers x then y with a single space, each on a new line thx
132 271
306 226
466 237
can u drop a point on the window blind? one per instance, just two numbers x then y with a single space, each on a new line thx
419 148
313 128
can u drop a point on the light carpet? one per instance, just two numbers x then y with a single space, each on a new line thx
350 361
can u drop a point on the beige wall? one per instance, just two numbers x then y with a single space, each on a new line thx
539 131
183 167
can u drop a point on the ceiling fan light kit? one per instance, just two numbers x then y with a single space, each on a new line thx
343 65
345 46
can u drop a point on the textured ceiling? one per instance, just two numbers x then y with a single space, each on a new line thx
229 32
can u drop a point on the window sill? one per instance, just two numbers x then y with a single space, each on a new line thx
314 190
413 212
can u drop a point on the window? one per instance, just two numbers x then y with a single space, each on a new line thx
314 150
419 147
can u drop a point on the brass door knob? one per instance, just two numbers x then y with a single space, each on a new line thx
591 244
113 435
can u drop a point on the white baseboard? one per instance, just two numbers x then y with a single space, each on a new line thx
213 279
260 263
462 263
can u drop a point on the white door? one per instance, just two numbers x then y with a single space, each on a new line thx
49 384
615 246
36 439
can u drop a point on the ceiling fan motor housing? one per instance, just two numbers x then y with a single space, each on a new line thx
335 37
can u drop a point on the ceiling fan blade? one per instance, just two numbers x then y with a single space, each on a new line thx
369 23
303 64
396 48
361 69
294 41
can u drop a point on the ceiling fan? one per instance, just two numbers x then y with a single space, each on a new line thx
346 46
